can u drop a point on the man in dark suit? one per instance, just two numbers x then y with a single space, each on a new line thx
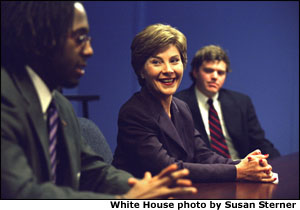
239 122
44 46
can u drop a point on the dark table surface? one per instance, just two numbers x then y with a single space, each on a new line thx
287 168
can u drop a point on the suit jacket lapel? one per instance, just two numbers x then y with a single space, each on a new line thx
164 122
230 112
199 125
25 86
67 139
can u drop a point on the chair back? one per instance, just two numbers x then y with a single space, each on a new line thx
94 137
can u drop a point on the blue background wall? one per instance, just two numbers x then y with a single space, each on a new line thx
261 38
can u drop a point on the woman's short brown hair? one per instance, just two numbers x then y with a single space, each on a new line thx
151 40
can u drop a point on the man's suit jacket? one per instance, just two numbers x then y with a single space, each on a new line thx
148 140
240 119
25 164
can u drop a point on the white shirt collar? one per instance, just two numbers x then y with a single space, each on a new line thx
203 98
41 88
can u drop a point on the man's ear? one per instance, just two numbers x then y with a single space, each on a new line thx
194 72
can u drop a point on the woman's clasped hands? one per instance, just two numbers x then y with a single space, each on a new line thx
255 167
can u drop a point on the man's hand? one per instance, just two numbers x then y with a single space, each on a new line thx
166 184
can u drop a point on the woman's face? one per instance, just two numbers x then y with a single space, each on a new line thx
163 72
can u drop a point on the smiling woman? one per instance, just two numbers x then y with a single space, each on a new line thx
157 129
159 56
153 40
162 74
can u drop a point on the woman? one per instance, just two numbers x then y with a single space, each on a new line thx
156 129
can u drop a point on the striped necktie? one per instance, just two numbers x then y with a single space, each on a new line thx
53 121
218 143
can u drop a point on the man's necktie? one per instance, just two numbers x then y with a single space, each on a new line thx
218 142
52 129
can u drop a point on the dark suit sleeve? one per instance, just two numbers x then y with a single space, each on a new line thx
145 148
98 176
257 135
139 149
19 182
95 174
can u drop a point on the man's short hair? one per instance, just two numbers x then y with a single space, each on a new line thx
209 53
34 30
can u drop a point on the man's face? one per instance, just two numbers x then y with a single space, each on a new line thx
210 77
70 63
